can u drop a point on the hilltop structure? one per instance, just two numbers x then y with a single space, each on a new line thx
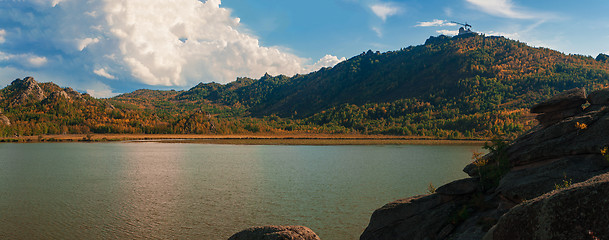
466 29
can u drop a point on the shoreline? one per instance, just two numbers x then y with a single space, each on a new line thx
249 139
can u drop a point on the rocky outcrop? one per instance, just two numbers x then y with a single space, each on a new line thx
564 148
26 90
580 211
72 94
276 233
561 106
4 121
58 95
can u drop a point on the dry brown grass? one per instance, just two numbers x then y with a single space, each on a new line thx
247 139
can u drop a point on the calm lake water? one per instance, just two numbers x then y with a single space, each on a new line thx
197 191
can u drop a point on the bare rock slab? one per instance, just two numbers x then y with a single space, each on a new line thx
580 211
459 187
600 97
564 105
568 99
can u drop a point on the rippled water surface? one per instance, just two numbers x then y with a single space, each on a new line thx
196 191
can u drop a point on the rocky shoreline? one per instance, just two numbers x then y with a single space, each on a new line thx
550 183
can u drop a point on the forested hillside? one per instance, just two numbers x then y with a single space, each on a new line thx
450 87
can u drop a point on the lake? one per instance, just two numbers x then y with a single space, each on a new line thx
204 191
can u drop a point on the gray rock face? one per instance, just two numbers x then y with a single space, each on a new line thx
565 147
563 139
561 106
72 94
532 181
58 95
459 187
419 217
276 233
29 90
567 99
600 97
580 211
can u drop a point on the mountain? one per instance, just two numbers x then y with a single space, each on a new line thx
449 87
452 69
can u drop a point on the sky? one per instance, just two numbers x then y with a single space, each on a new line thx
108 47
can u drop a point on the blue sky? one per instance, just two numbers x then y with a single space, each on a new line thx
106 47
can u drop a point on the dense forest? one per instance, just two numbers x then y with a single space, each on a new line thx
449 87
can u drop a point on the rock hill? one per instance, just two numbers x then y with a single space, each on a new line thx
523 190
28 90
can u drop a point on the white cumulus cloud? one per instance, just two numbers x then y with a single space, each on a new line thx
385 10
102 72
37 61
83 43
183 41
26 61
448 32
515 36
99 90
435 23
152 42
507 9
326 61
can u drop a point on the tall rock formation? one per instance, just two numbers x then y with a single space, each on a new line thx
26 90
569 146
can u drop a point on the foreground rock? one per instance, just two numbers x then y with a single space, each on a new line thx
565 148
276 233
566 104
580 211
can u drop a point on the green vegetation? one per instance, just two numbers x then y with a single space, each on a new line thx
454 88
605 153
492 167
431 189
564 184
460 215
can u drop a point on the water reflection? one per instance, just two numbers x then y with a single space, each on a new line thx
191 191
152 188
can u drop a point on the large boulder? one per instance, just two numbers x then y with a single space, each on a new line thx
276 233
579 135
568 99
531 181
418 217
564 105
580 211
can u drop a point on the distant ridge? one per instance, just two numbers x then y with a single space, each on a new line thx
462 87
487 71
